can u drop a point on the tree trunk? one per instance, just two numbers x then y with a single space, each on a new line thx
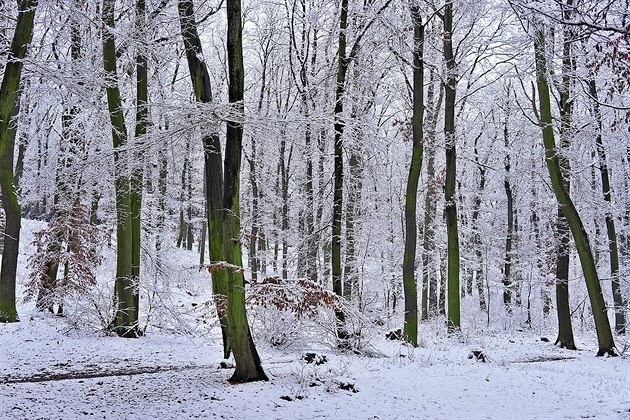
8 101
342 67
256 237
353 213
613 250
453 322
142 122
478 269
558 182
411 197
321 146
212 164
126 318
284 164
540 254
429 277
565 329
507 269
248 366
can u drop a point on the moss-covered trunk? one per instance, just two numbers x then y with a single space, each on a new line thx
604 334
411 197
8 102
451 173
248 366
126 293
212 163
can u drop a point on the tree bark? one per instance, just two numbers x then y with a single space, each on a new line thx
598 305
248 366
478 269
202 88
563 253
453 322
142 122
430 274
613 250
8 102
340 86
126 318
411 198
284 186
507 269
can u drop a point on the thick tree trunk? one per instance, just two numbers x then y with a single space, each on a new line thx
565 329
411 197
453 322
248 366
126 318
8 101
558 182
340 87
212 164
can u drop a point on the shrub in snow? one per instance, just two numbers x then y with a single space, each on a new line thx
69 242
284 311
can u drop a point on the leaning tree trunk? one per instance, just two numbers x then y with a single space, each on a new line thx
613 250
248 366
411 198
8 101
598 305
212 164
453 322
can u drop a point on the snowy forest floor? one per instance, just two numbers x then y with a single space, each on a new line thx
50 371
60 368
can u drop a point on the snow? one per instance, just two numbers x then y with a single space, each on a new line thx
520 380
59 368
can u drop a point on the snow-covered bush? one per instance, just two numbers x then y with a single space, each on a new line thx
68 242
284 312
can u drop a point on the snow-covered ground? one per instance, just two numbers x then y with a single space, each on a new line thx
61 368
48 371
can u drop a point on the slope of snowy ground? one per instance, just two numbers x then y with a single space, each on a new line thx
49 372
61 368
